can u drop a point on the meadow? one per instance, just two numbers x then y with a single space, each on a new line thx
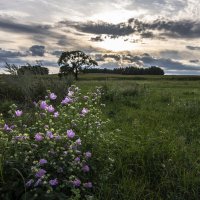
154 124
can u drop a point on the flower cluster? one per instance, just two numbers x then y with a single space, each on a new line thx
53 149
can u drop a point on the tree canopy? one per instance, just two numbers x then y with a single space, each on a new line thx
72 62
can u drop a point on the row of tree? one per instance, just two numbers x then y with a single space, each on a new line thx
74 62
26 69
127 71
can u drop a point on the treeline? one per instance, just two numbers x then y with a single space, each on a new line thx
26 69
128 71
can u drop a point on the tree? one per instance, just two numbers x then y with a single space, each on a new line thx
32 70
72 62
12 69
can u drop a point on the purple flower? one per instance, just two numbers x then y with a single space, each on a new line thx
53 182
87 185
50 109
18 113
52 96
57 137
20 138
7 128
38 182
42 161
78 141
76 182
88 154
49 134
84 111
13 126
38 137
67 100
77 159
40 173
29 183
56 114
70 133
43 105
85 168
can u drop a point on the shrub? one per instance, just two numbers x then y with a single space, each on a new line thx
54 157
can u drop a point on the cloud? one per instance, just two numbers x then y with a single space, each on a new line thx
97 39
193 48
194 61
101 27
116 57
37 50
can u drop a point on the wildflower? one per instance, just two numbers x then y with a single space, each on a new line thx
20 138
56 114
70 93
84 111
57 137
38 182
18 113
67 100
38 137
7 128
85 97
40 173
77 159
52 96
50 109
85 168
49 134
76 183
13 126
42 161
43 105
78 141
87 185
29 183
88 154
70 133
53 182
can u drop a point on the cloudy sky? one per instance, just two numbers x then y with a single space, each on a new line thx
165 33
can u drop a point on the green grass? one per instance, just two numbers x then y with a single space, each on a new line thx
157 152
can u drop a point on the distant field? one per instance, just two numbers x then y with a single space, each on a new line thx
158 129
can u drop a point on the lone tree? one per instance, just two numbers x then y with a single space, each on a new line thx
72 62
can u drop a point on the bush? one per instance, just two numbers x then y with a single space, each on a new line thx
61 154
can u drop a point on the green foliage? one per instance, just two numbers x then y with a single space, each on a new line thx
46 158
153 70
72 62
32 70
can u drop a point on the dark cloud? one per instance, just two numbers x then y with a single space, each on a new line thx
175 29
194 61
165 28
11 54
97 39
193 48
56 53
147 34
99 28
99 57
37 50
12 26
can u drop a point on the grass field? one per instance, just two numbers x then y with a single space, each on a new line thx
156 120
